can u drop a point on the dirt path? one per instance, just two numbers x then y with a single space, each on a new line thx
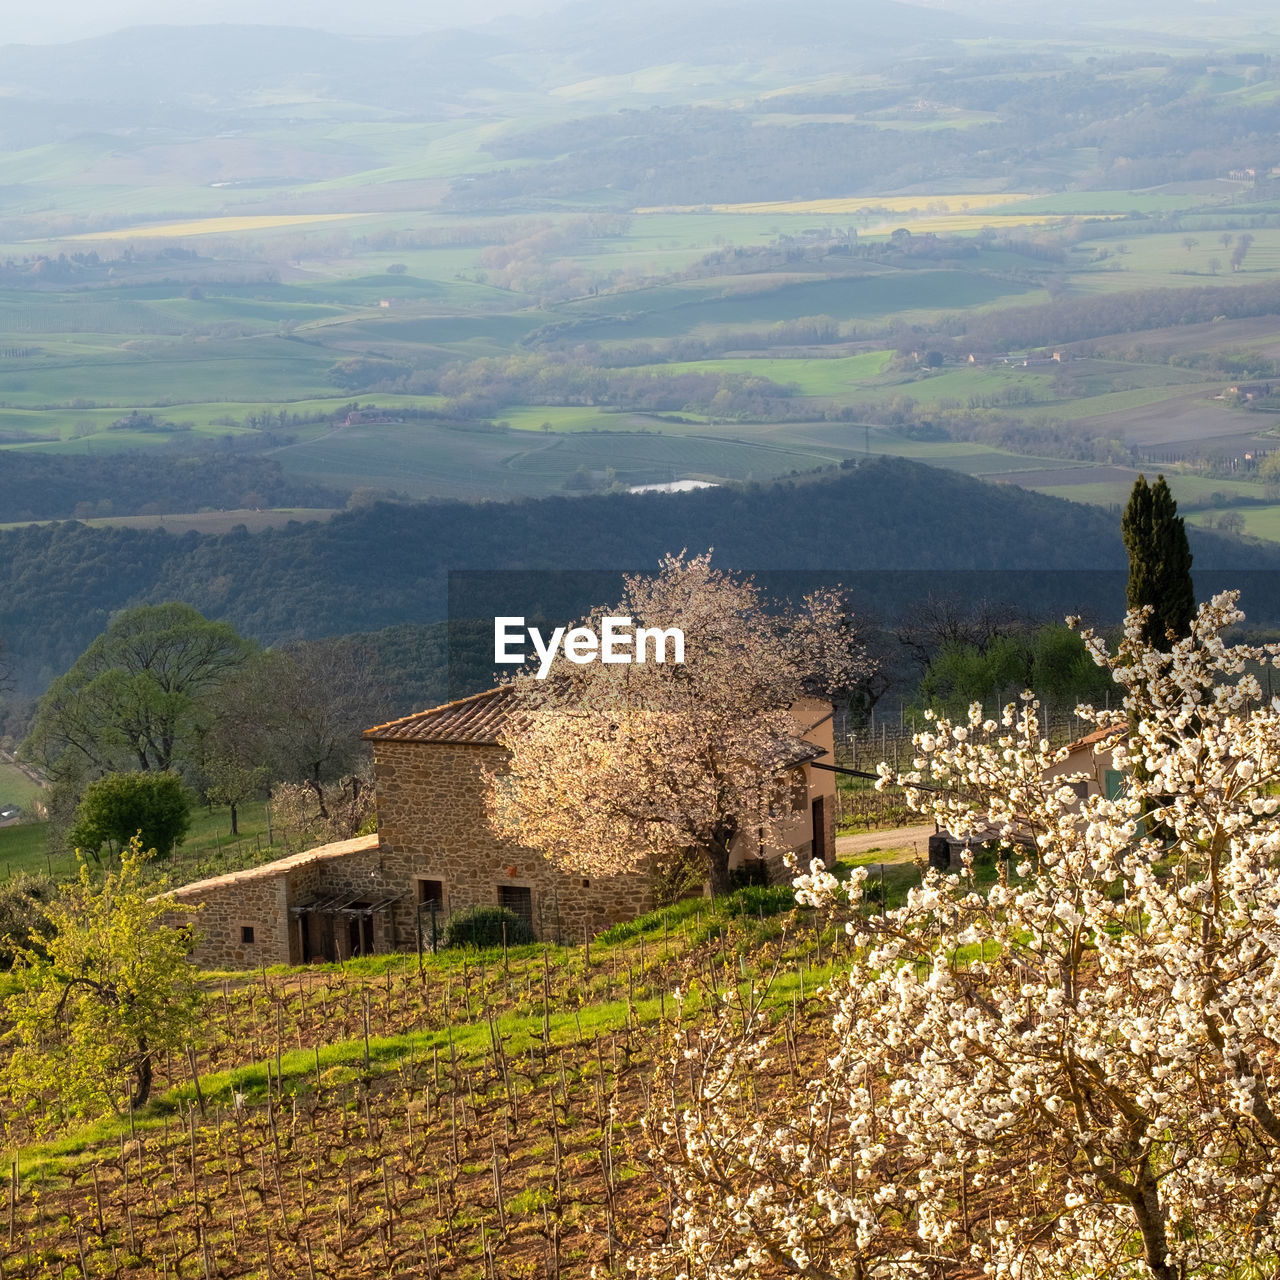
27 770
901 843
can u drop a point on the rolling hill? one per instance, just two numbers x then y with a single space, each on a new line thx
894 529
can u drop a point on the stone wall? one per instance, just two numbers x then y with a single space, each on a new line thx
259 899
432 826
431 819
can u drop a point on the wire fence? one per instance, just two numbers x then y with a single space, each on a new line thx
889 739
219 856
211 856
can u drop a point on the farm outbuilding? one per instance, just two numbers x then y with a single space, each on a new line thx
435 853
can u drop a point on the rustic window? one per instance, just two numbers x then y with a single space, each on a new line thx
246 933
430 891
517 899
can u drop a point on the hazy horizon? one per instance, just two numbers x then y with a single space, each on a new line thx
62 21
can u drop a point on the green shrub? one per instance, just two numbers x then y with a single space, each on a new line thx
151 805
754 871
23 899
760 900
483 927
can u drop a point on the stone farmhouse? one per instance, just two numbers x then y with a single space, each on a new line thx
435 853
1091 756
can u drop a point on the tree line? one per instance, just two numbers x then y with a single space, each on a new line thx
46 486
1145 128
61 583
483 387
1080 319
165 697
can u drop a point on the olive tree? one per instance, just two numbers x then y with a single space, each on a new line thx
295 715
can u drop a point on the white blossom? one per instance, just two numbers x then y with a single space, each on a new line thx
1096 1094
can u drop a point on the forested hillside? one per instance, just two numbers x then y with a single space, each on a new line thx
389 564
44 486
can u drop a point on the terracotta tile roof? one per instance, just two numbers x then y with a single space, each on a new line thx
281 866
1097 736
477 721
474 721
790 752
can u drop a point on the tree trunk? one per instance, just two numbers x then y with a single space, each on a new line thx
142 1090
1151 1222
235 826
319 790
718 865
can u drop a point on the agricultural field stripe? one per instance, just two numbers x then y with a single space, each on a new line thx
923 205
213 226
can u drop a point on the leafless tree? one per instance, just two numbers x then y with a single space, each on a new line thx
940 621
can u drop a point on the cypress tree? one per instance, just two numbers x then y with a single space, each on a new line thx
1159 562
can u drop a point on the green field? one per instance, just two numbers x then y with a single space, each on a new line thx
1165 262
63 430
16 787
209 848
963 455
1102 202
665 313
1120 401
267 368
1186 489
577 418
424 459
319 230
958 385
24 848
1259 522
814 377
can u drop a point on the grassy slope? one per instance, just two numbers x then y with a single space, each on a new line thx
15 786
209 848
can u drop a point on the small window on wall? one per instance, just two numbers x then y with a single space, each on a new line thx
429 892
518 900
246 933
